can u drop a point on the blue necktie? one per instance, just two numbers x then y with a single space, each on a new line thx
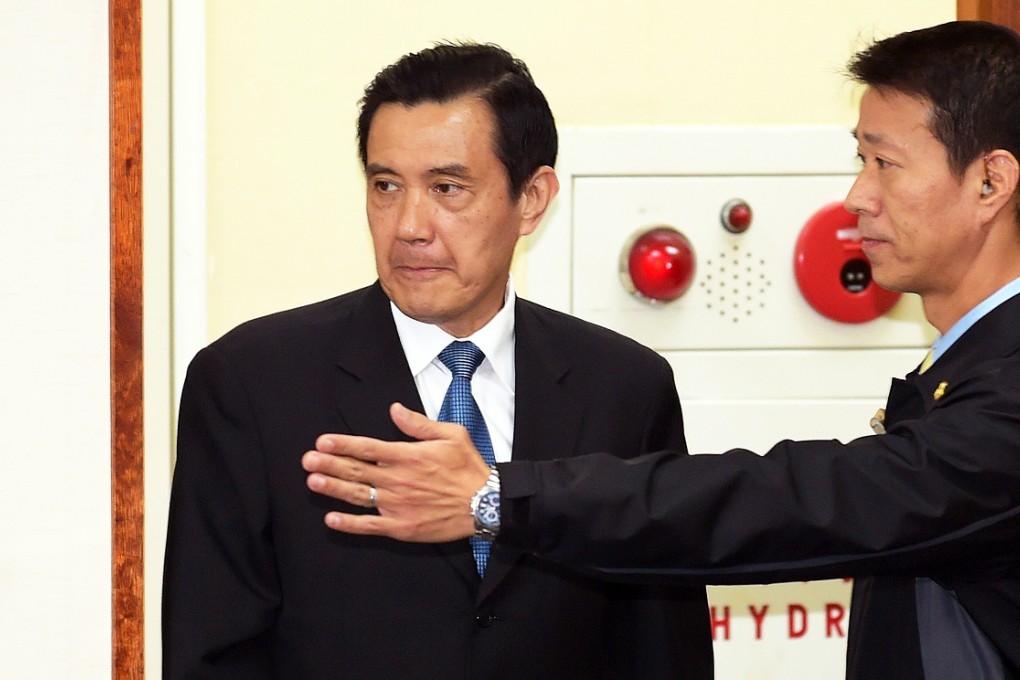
462 358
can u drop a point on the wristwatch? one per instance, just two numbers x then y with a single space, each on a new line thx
485 508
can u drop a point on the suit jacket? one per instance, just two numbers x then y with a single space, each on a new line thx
937 496
256 586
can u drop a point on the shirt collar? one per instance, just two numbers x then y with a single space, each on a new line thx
944 342
422 342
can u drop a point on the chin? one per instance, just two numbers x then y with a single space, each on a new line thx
894 286
422 313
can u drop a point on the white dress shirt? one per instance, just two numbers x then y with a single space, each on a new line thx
493 382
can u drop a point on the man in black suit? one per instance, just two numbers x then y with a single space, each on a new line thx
458 146
925 513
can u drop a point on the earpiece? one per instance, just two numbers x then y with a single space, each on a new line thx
986 188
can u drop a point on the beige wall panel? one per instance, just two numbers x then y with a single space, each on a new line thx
285 197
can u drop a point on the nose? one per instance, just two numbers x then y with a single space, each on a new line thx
414 224
861 197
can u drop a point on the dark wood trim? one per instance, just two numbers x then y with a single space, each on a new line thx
1005 12
967 10
126 397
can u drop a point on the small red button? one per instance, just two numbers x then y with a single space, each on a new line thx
736 216
658 264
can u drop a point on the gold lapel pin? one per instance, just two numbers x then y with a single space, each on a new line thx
940 390
878 421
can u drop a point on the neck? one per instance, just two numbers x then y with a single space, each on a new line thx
996 264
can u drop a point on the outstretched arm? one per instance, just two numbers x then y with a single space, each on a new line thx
423 489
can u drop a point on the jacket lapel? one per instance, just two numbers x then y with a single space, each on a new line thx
372 374
547 416
994 336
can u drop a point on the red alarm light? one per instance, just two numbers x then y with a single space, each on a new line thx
736 216
657 264
832 272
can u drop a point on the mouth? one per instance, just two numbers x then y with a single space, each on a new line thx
868 239
419 269
870 245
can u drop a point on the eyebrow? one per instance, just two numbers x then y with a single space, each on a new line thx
869 137
452 169
376 169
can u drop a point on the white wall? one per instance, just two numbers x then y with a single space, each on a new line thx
285 193
159 406
54 364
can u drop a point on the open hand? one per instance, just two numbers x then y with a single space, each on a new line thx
422 489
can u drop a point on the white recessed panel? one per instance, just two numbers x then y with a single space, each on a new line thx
744 295
753 362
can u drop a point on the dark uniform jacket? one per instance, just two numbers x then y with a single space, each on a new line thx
937 496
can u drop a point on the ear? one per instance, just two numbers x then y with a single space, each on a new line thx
538 194
999 185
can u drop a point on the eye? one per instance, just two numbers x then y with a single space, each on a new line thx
447 189
878 161
384 186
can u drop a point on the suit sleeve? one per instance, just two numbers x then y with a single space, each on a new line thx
939 495
220 586
660 631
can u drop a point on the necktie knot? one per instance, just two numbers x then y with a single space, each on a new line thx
462 358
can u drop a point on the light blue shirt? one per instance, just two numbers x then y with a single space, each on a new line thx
944 342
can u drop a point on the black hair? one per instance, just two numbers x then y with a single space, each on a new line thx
525 131
969 72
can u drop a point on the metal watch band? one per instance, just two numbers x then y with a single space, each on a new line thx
485 507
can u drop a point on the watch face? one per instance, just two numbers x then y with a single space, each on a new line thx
487 513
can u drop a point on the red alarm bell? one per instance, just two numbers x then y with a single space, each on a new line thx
657 264
832 272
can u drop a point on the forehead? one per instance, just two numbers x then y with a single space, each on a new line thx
456 131
894 119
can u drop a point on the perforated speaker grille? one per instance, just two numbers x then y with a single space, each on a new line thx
736 284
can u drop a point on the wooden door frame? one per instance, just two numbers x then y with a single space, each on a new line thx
1005 12
126 364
